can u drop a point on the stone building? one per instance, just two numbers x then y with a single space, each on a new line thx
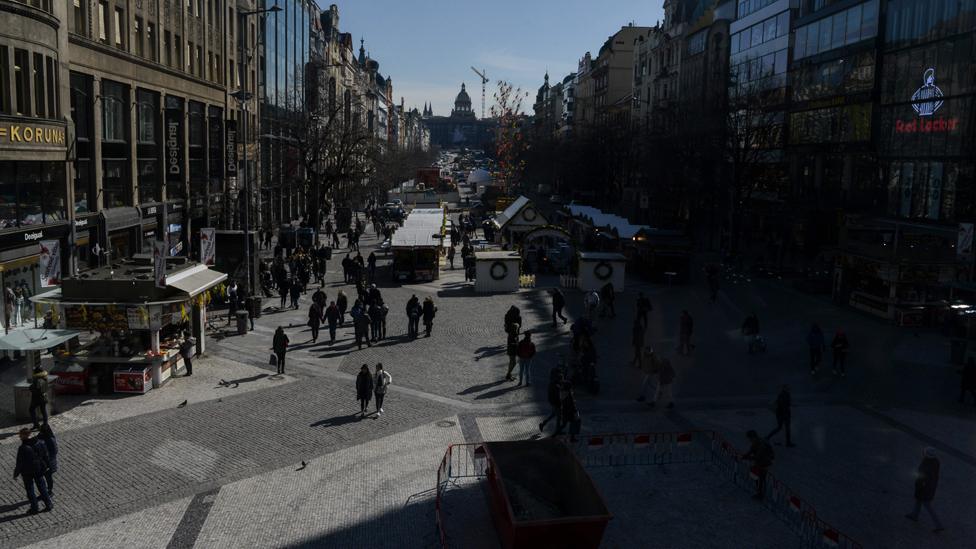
462 128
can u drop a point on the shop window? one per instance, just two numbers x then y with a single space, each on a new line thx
4 80
8 195
40 98
31 194
148 180
115 183
21 83
103 21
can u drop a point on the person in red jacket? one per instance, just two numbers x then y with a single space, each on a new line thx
525 352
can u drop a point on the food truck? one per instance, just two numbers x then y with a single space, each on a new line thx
418 244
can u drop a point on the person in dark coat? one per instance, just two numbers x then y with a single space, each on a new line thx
685 329
450 254
364 389
637 342
413 316
342 302
279 344
607 297
315 320
968 382
784 412
555 402
186 351
429 310
840 346
375 320
38 394
283 288
346 268
371 266
46 437
296 293
513 316
643 308
31 468
558 302
361 323
761 455
926 484
332 317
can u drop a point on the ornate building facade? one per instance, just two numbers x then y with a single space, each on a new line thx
462 128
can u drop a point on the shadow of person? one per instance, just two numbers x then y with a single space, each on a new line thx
481 387
337 420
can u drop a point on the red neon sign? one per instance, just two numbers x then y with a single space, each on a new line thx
926 125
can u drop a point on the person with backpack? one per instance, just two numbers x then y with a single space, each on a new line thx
364 389
38 391
381 383
31 467
783 407
761 455
555 402
429 310
50 443
558 302
526 352
361 323
375 320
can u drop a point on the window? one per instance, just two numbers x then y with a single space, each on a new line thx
114 183
189 56
81 116
78 17
113 111
151 40
120 28
846 27
138 38
167 49
839 31
189 7
147 118
40 99
199 61
760 33
21 83
103 21
178 48
4 80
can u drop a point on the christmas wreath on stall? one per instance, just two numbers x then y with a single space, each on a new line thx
498 271
603 270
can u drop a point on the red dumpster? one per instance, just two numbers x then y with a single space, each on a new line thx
541 496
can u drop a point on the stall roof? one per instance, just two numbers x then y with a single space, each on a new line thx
496 255
511 211
195 280
602 256
421 229
599 219
36 339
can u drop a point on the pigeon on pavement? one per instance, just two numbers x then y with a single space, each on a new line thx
182 404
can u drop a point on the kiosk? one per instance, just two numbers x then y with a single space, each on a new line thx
496 271
596 269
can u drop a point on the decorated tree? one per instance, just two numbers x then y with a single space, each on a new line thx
510 141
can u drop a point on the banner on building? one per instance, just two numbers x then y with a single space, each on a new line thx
964 243
230 148
174 140
208 246
50 263
159 263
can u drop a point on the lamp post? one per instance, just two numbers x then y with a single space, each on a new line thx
243 96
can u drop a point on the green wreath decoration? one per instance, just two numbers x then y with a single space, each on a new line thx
529 213
504 270
603 270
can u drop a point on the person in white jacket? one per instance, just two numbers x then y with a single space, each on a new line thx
380 384
591 303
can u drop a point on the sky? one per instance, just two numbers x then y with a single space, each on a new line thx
429 46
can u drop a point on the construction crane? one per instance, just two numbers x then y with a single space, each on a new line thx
484 80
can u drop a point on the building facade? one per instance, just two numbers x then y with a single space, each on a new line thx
462 128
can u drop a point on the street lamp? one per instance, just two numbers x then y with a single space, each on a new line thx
243 96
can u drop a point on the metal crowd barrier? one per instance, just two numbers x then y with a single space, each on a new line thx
638 449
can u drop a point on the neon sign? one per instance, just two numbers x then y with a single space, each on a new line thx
927 99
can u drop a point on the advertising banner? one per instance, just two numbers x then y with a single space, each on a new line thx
174 140
50 263
159 263
208 246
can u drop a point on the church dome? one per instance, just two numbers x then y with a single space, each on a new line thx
463 101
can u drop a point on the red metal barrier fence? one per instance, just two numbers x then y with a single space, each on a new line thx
629 449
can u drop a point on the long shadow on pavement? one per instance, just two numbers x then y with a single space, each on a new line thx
338 420
481 387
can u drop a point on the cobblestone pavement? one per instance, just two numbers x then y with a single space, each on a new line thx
222 471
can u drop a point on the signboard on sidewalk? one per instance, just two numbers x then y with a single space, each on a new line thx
208 246
50 263
159 263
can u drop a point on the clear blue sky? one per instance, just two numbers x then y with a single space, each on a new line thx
428 46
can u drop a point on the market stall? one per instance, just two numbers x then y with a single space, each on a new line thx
496 271
135 328
417 245
33 342
518 218
596 269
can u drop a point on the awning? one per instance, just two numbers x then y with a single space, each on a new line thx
36 339
196 280
121 218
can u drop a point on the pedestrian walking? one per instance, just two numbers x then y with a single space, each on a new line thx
361 322
381 383
38 392
643 308
968 382
840 346
413 316
570 412
591 302
608 295
332 318
926 484
296 293
342 302
346 268
375 320
761 455
283 288
558 302
371 264
649 365
815 340
50 442
31 468
711 276
665 383
685 328
513 317
555 402
637 342
279 345
186 351
315 320
784 411
429 310
450 255
364 389
511 349
526 352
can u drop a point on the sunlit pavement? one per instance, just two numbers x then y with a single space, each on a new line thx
227 472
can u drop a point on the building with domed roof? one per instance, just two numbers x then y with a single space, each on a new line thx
462 128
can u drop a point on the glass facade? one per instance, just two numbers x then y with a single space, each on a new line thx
840 29
31 193
910 22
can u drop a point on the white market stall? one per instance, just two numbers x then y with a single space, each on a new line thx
496 271
596 269
518 218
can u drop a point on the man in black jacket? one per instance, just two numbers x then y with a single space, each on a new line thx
784 405
31 467
558 302
926 483
761 454
555 401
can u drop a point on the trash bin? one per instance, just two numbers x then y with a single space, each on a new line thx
242 322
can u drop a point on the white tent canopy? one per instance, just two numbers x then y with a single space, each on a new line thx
36 339
600 220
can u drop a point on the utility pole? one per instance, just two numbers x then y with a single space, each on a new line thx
484 80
